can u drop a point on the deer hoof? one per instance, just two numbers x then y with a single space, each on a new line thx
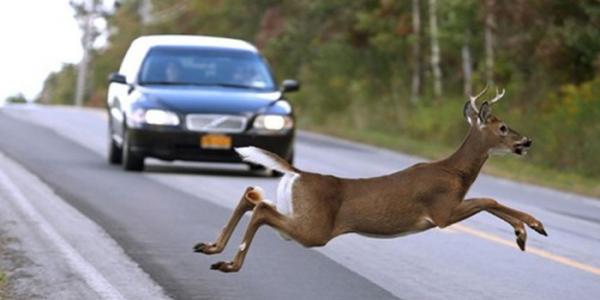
521 239
206 248
521 244
539 228
224 266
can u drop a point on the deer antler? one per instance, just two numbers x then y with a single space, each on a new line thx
498 96
473 99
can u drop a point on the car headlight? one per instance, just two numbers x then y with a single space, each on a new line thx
155 117
273 122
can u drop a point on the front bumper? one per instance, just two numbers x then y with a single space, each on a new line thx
177 144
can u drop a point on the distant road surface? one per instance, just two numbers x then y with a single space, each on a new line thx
158 215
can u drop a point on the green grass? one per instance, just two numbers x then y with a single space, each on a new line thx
510 166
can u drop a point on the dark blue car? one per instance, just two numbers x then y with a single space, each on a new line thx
195 98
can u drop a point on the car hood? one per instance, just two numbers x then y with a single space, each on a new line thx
213 100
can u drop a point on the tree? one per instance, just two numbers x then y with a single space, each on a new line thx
86 13
459 33
58 86
467 69
416 51
435 49
490 25
18 98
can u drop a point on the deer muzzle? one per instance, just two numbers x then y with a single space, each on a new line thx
522 146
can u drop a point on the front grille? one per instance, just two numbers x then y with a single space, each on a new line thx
216 123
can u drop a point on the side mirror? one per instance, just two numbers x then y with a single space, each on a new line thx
117 78
290 85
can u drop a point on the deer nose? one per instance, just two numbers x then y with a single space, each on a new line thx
527 142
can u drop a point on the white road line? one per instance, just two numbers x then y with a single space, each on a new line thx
92 277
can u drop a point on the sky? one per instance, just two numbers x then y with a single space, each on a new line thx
37 37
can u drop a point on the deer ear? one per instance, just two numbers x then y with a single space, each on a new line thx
469 113
485 112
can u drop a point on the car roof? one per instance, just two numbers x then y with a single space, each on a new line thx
150 41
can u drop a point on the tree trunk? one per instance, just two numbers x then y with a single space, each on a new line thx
467 69
86 42
435 50
416 51
145 12
490 25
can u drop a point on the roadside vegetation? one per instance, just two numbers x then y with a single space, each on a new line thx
394 73
2 284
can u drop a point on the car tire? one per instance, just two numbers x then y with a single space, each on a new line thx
131 161
259 170
256 167
272 173
115 153
290 160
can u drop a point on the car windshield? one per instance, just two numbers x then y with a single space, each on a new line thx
205 67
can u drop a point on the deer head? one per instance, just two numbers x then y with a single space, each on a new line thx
494 133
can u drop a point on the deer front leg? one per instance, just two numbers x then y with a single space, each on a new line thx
263 214
532 222
251 196
516 224
470 207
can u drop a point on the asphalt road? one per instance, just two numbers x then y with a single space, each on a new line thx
157 217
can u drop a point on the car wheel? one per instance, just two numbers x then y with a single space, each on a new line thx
271 173
115 153
131 161
256 167
290 160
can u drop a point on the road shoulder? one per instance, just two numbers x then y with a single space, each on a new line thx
51 251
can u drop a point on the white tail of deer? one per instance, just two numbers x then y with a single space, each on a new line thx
313 208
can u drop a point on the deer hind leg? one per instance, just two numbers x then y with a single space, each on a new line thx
264 213
251 197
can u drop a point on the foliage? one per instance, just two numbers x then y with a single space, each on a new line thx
59 86
18 98
2 285
569 130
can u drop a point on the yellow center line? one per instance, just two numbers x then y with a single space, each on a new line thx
536 251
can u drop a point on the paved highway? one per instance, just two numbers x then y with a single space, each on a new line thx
157 216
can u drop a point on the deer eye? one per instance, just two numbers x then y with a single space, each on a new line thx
503 129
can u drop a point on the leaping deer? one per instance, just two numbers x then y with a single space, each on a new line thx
313 208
